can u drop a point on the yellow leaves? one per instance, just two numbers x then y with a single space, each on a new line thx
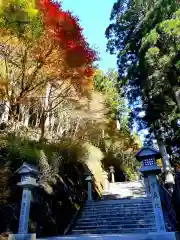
28 6
21 17
159 162
86 84
3 4
31 12
8 39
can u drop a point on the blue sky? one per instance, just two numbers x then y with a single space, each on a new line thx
94 18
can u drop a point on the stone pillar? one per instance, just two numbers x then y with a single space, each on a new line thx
106 182
160 225
146 183
112 173
24 213
89 181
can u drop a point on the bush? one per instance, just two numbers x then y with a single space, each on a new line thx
62 183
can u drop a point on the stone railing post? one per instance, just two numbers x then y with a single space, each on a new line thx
156 201
149 170
28 182
89 181
106 181
112 173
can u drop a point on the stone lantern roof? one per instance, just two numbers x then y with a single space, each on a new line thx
27 168
146 152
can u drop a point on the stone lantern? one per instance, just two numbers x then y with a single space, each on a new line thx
149 169
111 168
28 175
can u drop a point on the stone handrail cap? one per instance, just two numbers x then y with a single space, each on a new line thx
89 178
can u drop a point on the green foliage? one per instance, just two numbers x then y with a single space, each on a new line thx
20 151
118 145
119 150
108 85
145 37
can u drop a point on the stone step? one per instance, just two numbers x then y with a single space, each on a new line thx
107 231
134 183
117 221
135 236
118 209
117 201
115 196
117 214
126 204
118 205
137 192
118 227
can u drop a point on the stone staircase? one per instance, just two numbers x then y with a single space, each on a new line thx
125 212
116 216
124 208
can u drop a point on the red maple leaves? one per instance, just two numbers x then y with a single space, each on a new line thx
65 31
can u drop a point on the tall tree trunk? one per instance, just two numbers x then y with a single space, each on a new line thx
177 95
25 114
167 169
44 122
52 123
169 179
7 112
5 115
59 129
26 120
37 124
118 125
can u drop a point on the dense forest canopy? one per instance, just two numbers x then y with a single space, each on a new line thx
145 35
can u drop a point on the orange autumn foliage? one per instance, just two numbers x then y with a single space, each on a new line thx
63 31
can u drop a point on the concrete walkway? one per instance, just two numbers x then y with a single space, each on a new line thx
133 189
